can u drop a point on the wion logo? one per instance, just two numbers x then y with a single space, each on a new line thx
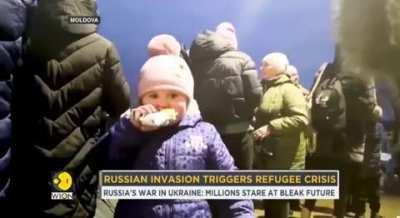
84 19
62 183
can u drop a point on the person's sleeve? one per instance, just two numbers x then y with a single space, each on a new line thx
251 84
394 97
115 87
220 159
122 144
373 145
5 133
295 114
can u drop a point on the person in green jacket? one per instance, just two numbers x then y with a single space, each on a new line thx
281 118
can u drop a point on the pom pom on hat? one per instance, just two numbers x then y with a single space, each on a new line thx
163 44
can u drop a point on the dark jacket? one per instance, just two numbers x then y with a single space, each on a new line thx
349 145
9 52
192 145
373 148
360 95
12 23
12 19
226 85
388 97
71 83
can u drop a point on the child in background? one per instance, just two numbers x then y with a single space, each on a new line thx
186 143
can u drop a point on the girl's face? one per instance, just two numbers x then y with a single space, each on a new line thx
162 99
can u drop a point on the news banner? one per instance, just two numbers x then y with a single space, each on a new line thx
247 184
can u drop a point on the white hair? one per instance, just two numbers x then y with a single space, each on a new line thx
292 70
276 60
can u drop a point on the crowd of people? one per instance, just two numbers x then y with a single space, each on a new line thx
65 106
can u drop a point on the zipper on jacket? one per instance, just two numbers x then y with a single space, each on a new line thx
169 160
171 210
167 156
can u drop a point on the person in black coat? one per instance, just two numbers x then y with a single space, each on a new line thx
70 86
367 188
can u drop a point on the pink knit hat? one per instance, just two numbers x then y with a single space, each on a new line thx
163 44
166 72
228 31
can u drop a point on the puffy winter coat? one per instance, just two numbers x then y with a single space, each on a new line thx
373 147
12 19
226 85
9 52
12 24
284 110
71 83
192 145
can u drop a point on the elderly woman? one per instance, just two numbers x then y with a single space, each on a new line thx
280 119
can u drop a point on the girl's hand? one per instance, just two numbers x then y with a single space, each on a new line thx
261 133
126 114
139 112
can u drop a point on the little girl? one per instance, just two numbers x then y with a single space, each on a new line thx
188 143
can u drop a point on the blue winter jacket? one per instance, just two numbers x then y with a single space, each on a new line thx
12 24
8 53
191 145
12 18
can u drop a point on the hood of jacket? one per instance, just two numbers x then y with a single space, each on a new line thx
51 31
54 16
208 45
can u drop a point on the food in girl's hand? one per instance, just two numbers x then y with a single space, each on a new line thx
161 118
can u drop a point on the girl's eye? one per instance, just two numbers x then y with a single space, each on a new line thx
174 95
153 95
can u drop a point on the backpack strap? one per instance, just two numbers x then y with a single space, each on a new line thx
319 73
